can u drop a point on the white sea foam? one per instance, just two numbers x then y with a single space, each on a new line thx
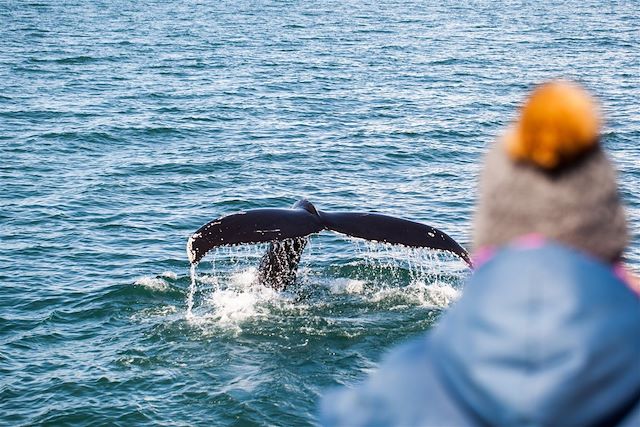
230 307
241 299
152 283
245 278
419 293
442 294
346 286
169 275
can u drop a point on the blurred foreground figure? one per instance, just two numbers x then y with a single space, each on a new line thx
547 332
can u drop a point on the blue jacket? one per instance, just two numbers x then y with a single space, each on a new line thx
540 337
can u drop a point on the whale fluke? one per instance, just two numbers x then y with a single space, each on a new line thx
254 226
287 230
388 229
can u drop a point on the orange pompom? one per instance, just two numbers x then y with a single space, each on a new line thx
557 124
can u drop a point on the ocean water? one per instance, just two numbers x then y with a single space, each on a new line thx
125 126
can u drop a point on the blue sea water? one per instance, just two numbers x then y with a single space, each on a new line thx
125 126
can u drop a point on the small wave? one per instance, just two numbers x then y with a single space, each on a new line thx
152 313
346 286
169 275
443 295
153 283
438 295
68 60
81 136
75 60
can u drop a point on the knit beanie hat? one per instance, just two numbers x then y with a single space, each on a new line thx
549 176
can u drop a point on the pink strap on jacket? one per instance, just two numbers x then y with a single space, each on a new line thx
527 241
631 280
535 240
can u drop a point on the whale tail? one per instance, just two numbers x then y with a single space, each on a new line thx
254 226
270 225
396 231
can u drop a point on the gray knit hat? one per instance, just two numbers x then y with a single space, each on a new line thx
575 202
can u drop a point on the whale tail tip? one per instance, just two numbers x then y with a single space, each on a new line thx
191 252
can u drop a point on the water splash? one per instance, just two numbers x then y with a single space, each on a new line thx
238 299
232 274
381 275
422 294
346 286
396 264
230 257
192 291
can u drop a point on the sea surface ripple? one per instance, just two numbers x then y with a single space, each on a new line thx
125 126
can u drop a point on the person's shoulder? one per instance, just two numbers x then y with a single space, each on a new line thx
404 391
